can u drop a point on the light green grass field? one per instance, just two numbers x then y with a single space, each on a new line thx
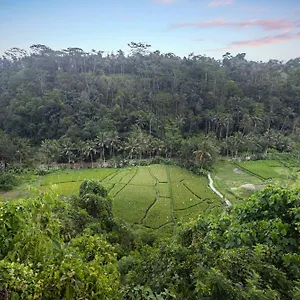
239 180
178 174
184 198
143 177
191 213
132 203
115 189
260 168
163 190
159 214
64 189
229 179
159 172
147 196
76 175
199 187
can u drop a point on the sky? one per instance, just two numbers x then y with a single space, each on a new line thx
263 29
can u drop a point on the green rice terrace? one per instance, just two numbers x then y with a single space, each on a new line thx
238 180
153 196
158 196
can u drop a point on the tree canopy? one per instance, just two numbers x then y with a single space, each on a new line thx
74 96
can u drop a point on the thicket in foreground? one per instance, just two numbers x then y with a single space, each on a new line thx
60 249
251 252
49 251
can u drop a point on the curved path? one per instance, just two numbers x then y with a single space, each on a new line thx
211 185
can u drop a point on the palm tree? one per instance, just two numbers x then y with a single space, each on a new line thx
89 150
202 157
206 153
50 148
113 141
161 147
23 148
131 146
101 142
80 147
67 148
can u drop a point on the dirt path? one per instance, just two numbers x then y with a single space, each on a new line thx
211 185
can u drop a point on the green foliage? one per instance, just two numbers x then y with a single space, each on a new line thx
7 181
94 200
88 107
249 253
92 187
36 262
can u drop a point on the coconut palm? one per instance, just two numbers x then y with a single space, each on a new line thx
102 142
67 148
131 146
90 150
50 148
80 147
113 142
206 153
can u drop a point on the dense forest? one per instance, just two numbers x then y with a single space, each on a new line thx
82 106
77 109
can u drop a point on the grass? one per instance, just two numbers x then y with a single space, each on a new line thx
143 177
232 179
229 179
115 189
198 185
64 189
182 197
116 177
76 175
159 214
178 174
159 172
132 203
146 196
191 213
163 190
260 168
129 175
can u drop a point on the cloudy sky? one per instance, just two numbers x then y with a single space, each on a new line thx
264 29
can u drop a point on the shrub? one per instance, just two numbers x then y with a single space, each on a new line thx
7 181
93 198
92 187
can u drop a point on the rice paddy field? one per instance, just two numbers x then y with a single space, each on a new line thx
154 197
237 180
158 196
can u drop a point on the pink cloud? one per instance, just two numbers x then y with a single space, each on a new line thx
215 3
267 24
280 38
256 43
271 24
206 24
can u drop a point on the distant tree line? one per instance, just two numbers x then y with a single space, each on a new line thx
144 104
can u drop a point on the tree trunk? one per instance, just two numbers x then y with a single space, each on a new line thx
91 155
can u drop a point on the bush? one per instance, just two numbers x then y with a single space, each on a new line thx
42 170
93 198
7 181
92 187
